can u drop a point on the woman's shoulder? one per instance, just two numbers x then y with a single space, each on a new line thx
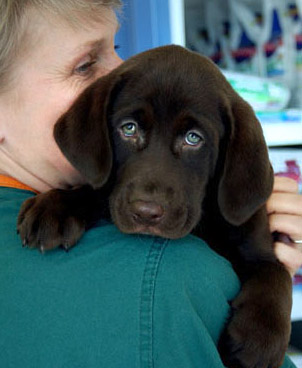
148 298
195 256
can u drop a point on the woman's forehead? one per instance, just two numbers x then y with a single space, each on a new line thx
43 30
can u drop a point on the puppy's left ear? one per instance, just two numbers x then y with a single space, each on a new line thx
247 180
82 132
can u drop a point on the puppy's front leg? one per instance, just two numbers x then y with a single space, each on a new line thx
259 328
59 217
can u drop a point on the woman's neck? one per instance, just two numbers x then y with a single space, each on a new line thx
10 168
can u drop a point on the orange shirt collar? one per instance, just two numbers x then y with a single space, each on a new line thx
6 181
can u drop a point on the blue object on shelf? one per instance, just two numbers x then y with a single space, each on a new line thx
283 116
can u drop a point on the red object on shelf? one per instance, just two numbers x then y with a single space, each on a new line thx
297 280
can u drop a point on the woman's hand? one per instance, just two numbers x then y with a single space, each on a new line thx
284 209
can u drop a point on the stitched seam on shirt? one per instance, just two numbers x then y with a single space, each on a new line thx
146 302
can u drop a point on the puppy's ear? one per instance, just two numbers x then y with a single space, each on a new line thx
247 180
82 132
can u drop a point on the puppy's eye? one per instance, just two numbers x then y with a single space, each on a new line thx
193 138
129 129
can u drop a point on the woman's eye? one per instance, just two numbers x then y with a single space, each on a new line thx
129 129
193 139
84 68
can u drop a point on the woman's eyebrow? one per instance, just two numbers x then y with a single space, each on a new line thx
95 44
89 45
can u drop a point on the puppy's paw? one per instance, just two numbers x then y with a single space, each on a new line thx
46 222
256 337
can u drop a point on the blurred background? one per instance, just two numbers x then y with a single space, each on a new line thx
258 46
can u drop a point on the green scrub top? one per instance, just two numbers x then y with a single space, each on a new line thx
113 301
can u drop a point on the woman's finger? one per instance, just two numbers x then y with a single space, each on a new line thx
290 225
287 203
284 184
289 256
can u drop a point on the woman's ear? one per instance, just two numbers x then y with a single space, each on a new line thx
82 132
247 179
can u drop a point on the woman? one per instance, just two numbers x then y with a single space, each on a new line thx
285 216
114 300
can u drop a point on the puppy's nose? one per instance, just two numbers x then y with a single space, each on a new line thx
147 213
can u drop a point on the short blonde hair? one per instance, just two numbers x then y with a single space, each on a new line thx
12 20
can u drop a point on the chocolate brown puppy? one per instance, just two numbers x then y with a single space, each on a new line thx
169 148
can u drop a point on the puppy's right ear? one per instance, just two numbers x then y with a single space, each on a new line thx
82 132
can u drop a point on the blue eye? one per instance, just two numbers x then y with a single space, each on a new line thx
129 129
85 67
193 139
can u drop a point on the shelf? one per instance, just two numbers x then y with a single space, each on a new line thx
284 134
282 128
297 302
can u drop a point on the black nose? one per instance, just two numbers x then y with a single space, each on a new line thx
147 213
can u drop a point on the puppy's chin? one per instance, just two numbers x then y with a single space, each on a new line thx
154 231
165 229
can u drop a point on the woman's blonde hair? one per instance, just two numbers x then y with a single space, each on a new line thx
12 24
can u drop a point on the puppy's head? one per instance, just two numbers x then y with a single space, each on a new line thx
164 124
